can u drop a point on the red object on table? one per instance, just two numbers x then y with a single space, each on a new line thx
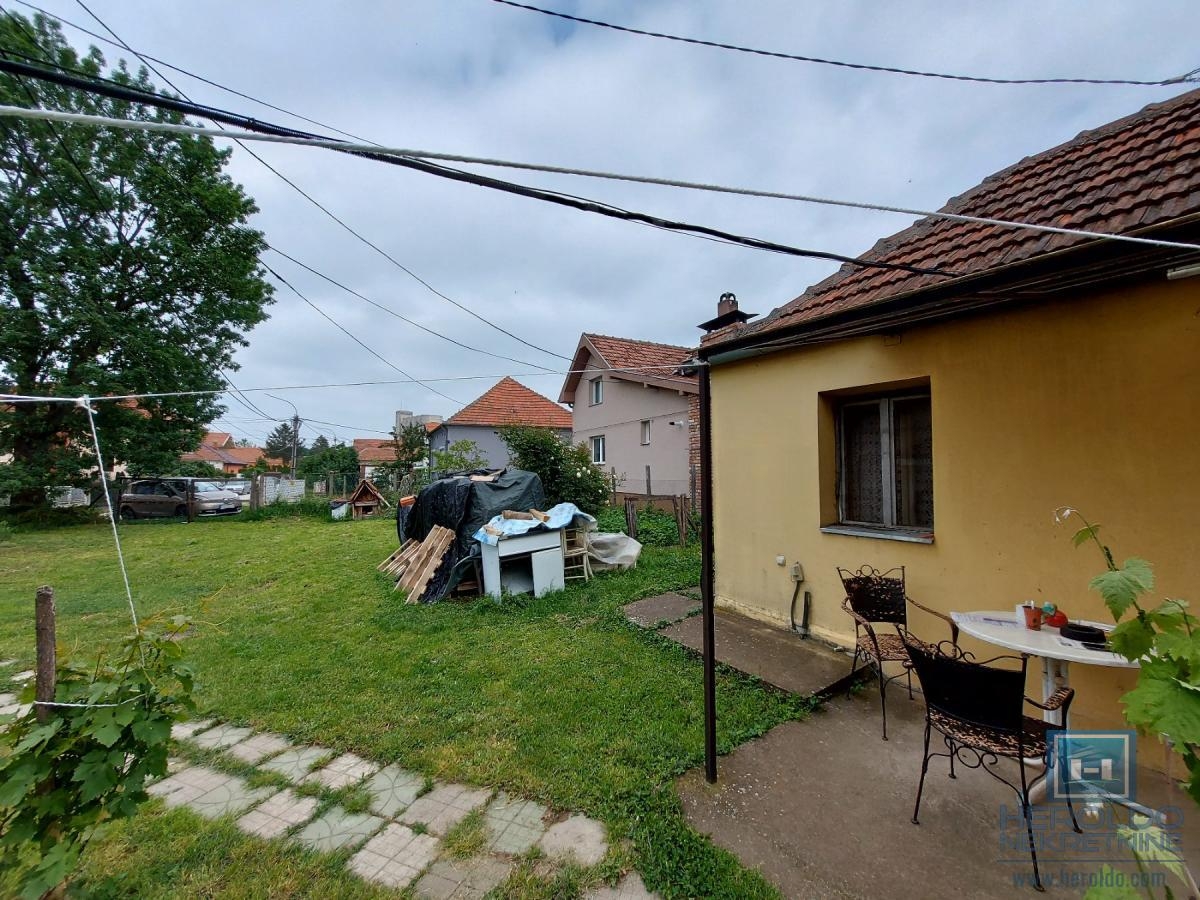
1033 617
1058 620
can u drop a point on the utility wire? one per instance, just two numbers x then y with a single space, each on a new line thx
277 134
354 338
1185 78
328 212
417 159
340 221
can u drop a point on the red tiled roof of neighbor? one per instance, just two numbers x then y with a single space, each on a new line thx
1124 177
218 439
372 450
236 456
641 357
431 427
511 403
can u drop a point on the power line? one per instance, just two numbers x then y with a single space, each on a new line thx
416 159
392 312
147 58
324 209
354 338
1185 78
274 133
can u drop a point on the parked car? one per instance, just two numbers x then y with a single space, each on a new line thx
165 497
241 487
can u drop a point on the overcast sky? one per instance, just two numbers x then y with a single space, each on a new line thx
476 77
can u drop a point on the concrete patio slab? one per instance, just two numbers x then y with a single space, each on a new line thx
294 764
652 611
823 807
776 656
343 771
206 791
276 815
337 829
513 825
258 747
630 887
583 840
220 737
395 856
444 807
462 879
393 790
181 730
22 677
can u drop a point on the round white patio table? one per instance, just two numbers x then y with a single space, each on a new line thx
1056 651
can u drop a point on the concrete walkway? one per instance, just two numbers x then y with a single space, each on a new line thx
775 655
396 828
823 808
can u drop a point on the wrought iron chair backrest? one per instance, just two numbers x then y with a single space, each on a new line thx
876 596
977 693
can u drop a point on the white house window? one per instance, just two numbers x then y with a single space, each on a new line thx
597 391
885 450
645 431
598 449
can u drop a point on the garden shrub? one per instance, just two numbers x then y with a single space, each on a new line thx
567 472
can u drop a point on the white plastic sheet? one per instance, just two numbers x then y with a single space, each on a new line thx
612 551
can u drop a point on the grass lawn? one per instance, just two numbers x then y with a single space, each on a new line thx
558 699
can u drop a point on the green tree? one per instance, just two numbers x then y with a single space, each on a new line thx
461 456
279 444
126 266
195 469
568 473
411 445
336 458
321 443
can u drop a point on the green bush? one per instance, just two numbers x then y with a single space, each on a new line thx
657 528
568 473
610 519
314 507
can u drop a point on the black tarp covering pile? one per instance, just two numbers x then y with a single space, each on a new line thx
465 506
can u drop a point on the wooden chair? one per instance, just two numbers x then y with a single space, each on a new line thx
575 554
879 598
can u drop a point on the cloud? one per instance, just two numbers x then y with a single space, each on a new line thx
476 77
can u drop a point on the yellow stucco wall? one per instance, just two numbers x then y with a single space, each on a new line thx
1090 403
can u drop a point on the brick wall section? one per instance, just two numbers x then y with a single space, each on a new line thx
694 442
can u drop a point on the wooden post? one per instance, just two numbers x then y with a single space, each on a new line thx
190 498
648 491
631 520
47 663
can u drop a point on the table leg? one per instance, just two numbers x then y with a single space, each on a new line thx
1055 675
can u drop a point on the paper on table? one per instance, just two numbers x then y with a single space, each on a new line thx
983 619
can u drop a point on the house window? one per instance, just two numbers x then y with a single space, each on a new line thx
598 449
886 462
597 391
645 431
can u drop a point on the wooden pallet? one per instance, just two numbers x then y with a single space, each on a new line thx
424 562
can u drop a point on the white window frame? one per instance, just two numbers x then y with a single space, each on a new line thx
887 452
598 443
597 391
645 432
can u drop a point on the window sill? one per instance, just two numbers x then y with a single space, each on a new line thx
880 532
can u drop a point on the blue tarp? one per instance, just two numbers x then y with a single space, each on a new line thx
561 516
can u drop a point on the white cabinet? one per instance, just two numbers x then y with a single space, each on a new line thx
523 563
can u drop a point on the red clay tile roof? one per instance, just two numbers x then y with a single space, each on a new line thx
511 403
235 456
1132 174
630 359
218 439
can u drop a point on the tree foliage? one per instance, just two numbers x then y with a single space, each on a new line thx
126 266
567 472
411 447
461 456
195 469
279 444
336 458
62 782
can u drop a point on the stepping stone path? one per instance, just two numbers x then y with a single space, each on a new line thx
397 843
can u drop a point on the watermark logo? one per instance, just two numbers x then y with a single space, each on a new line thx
1093 764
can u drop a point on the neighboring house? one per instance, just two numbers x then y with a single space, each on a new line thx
937 421
634 411
507 403
376 452
218 449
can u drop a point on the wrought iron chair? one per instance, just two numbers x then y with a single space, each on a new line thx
879 598
978 710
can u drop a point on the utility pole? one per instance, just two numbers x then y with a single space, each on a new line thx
295 440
